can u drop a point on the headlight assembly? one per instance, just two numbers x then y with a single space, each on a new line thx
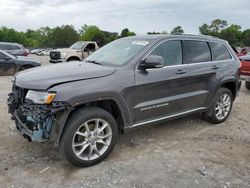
63 55
40 97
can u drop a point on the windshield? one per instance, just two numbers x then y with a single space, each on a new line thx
118 52
77 45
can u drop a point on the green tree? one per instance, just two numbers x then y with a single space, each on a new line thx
246 37
110 36
205 29
126 33
177 29
217 25
92 33
63 36
232 34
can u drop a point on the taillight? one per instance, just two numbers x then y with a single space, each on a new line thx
26 52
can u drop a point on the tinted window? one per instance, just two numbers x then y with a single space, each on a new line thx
5 47
170 51
15 47
196 51
219 52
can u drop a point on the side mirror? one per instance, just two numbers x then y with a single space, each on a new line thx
152 61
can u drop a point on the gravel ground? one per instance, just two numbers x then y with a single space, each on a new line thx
187 152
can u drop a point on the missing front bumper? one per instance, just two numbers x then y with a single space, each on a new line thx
38 123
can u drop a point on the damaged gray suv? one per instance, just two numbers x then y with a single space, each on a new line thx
83 106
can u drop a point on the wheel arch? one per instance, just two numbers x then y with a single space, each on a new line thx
112 105
231 85
73 58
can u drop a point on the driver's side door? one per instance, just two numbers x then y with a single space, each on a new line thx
7 65
161 92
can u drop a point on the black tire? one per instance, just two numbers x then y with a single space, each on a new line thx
76 120
73 59
247 84
210 115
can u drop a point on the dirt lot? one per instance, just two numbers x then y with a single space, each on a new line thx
188 152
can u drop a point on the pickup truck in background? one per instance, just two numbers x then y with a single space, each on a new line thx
77 52
245 69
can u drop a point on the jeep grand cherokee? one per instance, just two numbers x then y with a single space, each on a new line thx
134 81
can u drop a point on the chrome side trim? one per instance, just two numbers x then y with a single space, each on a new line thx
166 117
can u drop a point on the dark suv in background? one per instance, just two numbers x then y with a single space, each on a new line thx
134 81
14 48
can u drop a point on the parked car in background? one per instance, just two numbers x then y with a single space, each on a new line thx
14 48
10 64
244 51
245 69
77 52
44 52
36 51
130 82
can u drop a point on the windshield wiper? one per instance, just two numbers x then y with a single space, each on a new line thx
94 62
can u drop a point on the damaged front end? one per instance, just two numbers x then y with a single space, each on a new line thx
36 122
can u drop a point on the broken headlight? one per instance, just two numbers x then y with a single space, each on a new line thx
40 97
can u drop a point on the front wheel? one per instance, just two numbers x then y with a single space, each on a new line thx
221 106
90 136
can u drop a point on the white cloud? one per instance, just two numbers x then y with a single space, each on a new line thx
113 15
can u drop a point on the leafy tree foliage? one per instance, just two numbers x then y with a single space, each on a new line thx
66 35
92 33
246 37
126 33
232 33
177 29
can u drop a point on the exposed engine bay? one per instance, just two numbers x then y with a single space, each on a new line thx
34 121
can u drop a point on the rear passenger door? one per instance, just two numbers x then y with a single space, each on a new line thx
205 73
221 54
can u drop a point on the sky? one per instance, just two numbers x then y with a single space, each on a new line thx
140 16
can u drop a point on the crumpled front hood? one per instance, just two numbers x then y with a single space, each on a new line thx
44 77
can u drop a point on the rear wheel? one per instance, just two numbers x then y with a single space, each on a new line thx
247 84
90 136
221 106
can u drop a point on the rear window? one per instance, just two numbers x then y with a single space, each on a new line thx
196 52
5 47
219 52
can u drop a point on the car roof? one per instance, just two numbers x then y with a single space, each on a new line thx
177 36
10 43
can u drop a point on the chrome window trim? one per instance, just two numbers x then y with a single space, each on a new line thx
153 48
176 39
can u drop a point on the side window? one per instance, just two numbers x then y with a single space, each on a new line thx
13 47
219 52
5 47
196 51
90 47
171 52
